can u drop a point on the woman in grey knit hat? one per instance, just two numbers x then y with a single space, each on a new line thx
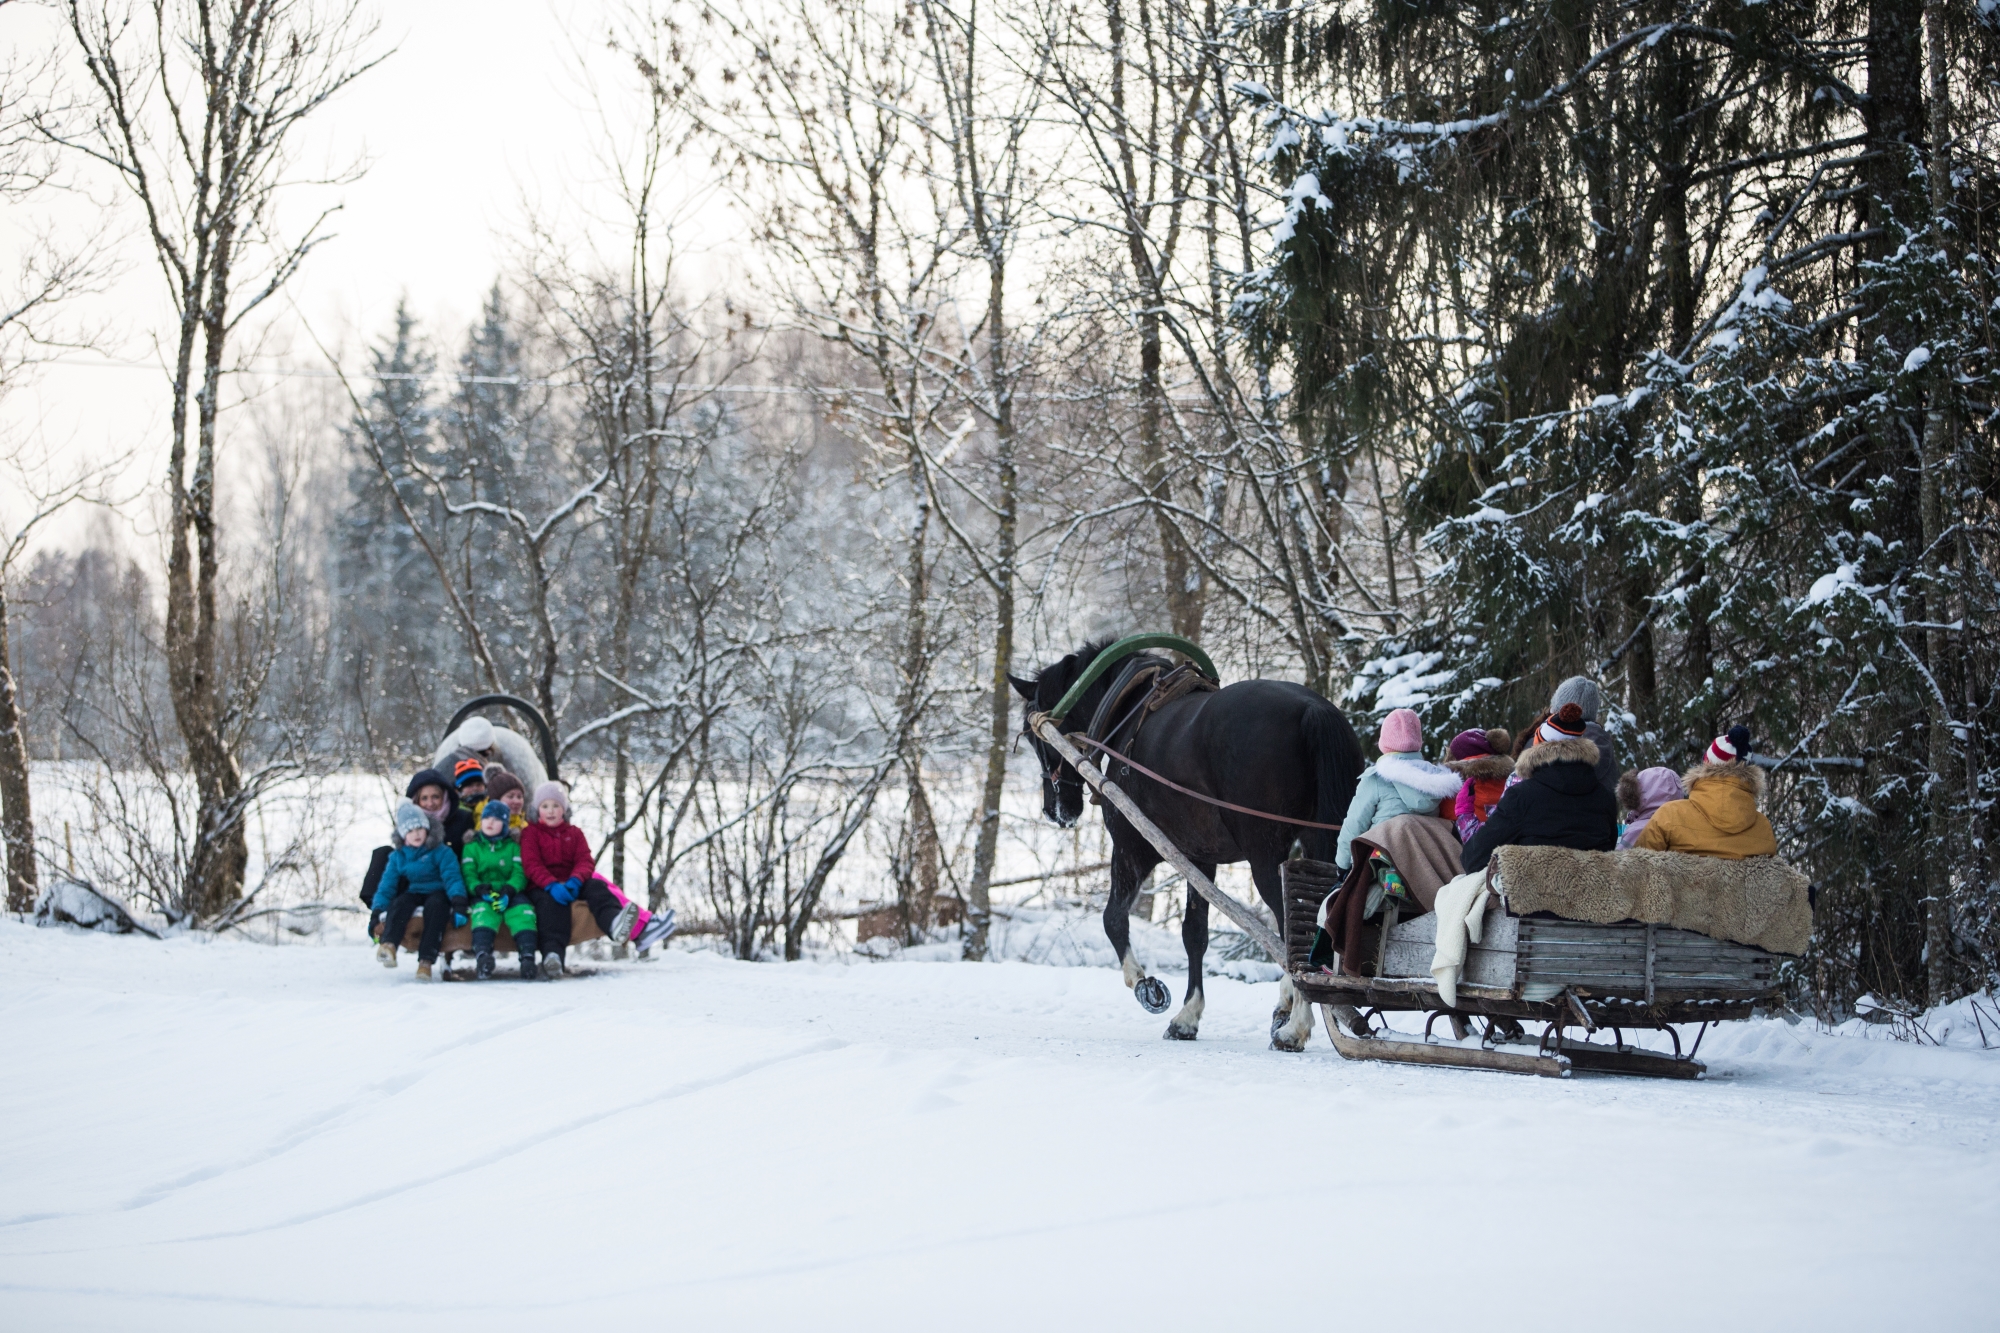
1586 694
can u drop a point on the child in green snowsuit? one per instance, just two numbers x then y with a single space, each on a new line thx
491 863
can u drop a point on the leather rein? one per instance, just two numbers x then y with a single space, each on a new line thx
1130 763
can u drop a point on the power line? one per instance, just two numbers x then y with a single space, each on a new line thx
441 377
527 382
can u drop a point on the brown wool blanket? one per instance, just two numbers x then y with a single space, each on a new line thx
1758 900
1423 848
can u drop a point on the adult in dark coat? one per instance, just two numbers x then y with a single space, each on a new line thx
1557 802
1589 699
431 790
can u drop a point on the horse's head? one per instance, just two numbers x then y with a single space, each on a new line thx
1062 786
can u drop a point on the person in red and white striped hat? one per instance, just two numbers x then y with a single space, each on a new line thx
1728 748
1719 816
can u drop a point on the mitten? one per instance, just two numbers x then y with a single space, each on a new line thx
458 919
375 926
565 892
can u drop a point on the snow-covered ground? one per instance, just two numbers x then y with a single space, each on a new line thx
225 1135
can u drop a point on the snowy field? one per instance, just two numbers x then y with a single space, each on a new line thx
225 1135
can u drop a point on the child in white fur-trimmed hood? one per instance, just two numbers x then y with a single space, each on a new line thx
1401 782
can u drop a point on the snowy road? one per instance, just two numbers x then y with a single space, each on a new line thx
228 1136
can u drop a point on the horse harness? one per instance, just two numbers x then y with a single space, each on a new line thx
1142 686
1147 684
1155 683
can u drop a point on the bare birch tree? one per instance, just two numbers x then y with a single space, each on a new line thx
197 104
49 274
985 123
816 113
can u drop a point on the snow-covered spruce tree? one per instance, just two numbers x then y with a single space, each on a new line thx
495 431
1814 598
383 648
1662 352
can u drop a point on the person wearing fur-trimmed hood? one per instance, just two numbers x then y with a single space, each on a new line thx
1401 782
1719 814
1557 803
1641 795
1481 759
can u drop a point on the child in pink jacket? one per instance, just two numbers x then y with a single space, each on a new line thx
1482 759
556 859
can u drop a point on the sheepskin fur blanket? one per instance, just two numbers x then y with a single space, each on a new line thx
1758 900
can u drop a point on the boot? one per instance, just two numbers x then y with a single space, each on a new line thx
621 925
482 965
424 971
661 926
552 967
385 954
524 949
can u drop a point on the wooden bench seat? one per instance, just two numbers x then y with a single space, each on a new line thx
458 939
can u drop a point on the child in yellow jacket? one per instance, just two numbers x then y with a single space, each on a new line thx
1719 815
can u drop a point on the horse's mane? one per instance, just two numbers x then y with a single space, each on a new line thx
1086 653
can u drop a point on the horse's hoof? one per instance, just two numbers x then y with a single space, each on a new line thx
1175 1032
1152 994
1279 1044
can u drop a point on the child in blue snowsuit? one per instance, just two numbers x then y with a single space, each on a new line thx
415 877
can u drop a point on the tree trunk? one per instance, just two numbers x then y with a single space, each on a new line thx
915 667
215 868
919 909
1934 464
1182 576
978 905
17 825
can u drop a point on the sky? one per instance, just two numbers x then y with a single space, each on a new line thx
470 124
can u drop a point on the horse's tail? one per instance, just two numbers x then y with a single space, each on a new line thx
1336 760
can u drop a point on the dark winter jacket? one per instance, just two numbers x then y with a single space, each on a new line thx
552 855
1606 768
1557 803
459 823
422 871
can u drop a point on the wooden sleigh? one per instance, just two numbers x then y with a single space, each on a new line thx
1594 977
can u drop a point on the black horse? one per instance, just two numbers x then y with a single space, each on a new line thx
1265 744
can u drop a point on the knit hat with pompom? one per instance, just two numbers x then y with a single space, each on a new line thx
1565 724
410 817
1469 745
1728 747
